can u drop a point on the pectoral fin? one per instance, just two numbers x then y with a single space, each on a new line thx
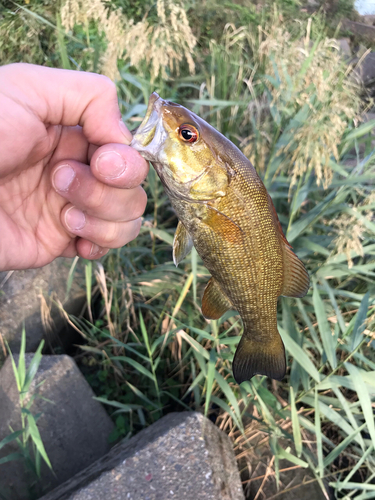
223 225
214 302
182 244
259 357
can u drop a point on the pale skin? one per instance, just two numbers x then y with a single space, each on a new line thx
69 182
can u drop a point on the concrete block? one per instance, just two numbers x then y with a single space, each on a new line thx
368 117
367 68
344 44
20 301
74 430
368 19
182 456
359 28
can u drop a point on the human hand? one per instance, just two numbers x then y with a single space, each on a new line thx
69 183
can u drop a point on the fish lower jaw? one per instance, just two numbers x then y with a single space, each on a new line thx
147 155
149 152
153 149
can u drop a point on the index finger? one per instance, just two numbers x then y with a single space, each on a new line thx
67 97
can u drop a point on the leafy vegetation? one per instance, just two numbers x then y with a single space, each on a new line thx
30 448
282 94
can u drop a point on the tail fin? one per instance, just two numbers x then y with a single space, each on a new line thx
259 357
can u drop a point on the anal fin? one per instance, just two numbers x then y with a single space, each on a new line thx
296 281
214 302
259 357
182 244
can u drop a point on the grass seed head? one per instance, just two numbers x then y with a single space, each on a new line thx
351 231
311 93
162 46
349 236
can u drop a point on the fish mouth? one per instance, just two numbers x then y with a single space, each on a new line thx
150 108
149 137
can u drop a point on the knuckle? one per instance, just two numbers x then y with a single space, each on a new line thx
139 204
96 198
107 84
138 224
111 235
134 205
133 230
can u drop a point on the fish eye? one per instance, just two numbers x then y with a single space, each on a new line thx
188 133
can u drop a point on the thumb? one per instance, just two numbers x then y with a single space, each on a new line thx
65 97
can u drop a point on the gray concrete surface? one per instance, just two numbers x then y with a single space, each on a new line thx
20 303
74 430
182 456
367 68
368 19
344 44
359 28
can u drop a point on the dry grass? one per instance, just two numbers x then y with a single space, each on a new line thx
351 229
163 46
309 78
349 236
148 350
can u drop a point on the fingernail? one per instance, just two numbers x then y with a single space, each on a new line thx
95 249
63 177
126 132
110 164
75 219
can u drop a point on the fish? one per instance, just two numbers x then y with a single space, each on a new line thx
226 213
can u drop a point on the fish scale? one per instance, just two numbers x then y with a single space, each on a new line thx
253 255
224 210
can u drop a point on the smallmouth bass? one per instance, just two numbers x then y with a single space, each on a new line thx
225 211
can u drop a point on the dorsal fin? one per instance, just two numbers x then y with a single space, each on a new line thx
276 220
214 302
296 281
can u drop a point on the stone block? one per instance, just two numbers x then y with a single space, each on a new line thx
368 117
367 68
20 302
368 19
344 44
74 429
359 28
182 456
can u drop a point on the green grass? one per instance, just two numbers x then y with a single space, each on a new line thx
186 361
149 351
29 445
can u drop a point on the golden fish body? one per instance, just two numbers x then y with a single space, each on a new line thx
226 213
